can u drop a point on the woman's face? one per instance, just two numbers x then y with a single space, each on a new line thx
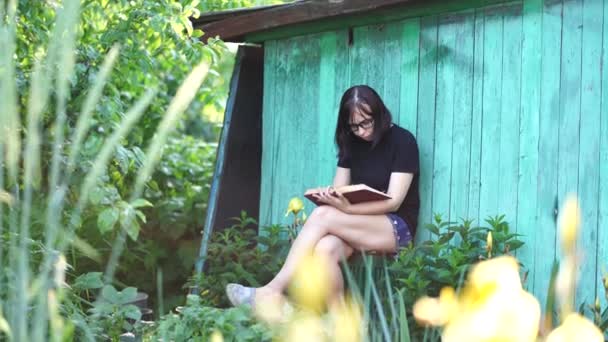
362 125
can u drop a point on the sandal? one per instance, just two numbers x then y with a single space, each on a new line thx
240 295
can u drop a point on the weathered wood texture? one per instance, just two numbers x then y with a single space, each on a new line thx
508 104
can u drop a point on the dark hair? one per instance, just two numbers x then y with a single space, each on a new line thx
367 101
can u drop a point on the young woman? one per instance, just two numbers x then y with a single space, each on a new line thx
373 151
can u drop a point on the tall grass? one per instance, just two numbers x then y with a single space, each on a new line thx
384 314
31 291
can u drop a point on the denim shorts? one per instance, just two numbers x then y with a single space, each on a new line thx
403 236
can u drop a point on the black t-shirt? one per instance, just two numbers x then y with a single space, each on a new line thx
397 151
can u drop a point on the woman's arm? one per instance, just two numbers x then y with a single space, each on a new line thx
398 186
342 177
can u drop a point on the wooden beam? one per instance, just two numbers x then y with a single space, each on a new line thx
236 27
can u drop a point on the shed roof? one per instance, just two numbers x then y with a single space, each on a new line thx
236 25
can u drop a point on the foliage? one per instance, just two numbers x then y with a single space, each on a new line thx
233 257
55 165
158 47
113 311
444 260
196 322
218 5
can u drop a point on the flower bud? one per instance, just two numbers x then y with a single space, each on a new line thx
569 221
489 244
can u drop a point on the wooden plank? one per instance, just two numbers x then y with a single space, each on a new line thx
463 107
413 10
286 121
367 57
327 113
444 117
298 127
570 102
548 150
529 136
508 166
307 132
589 155
602 232
490 137
268 120
476 119
289 14
426 118
392 62
409 74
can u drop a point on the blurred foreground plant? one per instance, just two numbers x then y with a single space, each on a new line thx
28 282
493 306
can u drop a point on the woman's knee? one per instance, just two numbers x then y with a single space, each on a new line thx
331 247
323 214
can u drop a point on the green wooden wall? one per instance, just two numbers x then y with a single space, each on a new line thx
509 105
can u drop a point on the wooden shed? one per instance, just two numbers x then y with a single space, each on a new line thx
508 101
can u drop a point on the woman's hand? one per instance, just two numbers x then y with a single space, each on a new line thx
332 197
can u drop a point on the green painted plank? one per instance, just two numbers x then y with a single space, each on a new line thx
268 118
290 73
463 107
409 74
327 113
570 101
414 10
392 62
490 138
342 83
476 117
298 134
444 116
426 118
602 232
508 166
588 171
367 61
548 148
529 136
307 133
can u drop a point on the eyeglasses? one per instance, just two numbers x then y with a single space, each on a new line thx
365 124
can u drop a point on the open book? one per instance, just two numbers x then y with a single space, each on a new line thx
356 193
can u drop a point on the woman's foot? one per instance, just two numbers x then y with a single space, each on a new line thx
267 303
241 295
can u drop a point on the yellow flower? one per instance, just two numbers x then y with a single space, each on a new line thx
311 281
216 336
492 306
347 319
4 327
60 266
565 284
295 206
576 328
569 221
305 328
5 197
489 244
273 310
436 311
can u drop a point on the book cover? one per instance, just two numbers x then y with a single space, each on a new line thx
357 193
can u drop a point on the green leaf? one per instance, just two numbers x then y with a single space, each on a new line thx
132 229
107 219
140 202
91 280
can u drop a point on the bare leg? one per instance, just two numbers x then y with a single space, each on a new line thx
334 249
362 232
